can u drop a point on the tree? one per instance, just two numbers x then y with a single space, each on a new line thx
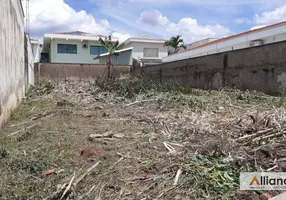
112 48
176 43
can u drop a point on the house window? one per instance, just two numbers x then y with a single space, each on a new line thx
97 50
151 52
67 48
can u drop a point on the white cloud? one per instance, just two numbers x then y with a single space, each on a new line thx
277 15
243 20
191 31
264 19
55 15
153 17
120 36
188 28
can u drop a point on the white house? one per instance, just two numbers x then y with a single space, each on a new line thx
121 57
81 47
37 49
256 37
72 47
148 49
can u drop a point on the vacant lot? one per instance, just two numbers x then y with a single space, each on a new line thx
135 139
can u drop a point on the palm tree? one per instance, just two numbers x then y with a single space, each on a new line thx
176 43
112 48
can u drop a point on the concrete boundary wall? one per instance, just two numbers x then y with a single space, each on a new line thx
29 63
12 67
259 68
76 71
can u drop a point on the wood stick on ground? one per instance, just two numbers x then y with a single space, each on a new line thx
88 192
32 109
118 161
129 157
274 135
165 191
107 134
169 147
24 129
56 195
270 169
176 144
111 167
23 123
136 102
254 135
166 130
83 175
124 156
179 172
68 187
147 188
100 192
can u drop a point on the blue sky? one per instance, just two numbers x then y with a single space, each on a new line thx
193 19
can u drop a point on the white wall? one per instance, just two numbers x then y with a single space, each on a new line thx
36 51
200 42
30 62
124 58
12 80
82 56
138 49
268 36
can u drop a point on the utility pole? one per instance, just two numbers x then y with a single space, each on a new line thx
27 16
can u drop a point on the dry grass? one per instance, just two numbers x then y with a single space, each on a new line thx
172 142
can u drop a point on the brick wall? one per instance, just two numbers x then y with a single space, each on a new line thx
80 71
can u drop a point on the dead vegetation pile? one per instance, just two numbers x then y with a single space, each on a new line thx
137 139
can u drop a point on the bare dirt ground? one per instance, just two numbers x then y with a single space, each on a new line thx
134 139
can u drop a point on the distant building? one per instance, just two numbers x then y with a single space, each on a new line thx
148 49
199 43
37 49
256 37
72 47
81 47
121 57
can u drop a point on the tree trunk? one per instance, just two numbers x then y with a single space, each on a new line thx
109 65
